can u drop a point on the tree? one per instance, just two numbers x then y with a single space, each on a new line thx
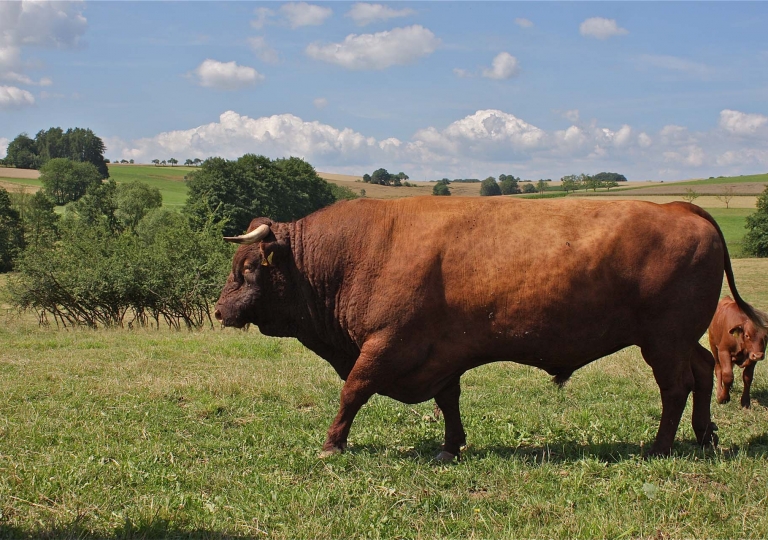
84 146
22 153
726 196
252 186
381 177
65 180
541 186
173 161
489 187
40 220
590 182
156 162
608 176
756 239
11 232
188 162
342 192
196 161
570 182
690 195
441 189
608 184
133 200
529 188
367 178
509 184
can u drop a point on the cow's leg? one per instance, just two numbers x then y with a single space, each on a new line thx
448 401
362 382
672 370
702 365
718 376
726 377
747 377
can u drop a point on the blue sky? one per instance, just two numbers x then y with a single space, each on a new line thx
652 90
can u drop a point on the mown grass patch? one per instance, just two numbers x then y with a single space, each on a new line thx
169 180
212 434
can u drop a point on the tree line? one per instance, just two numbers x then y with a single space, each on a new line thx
383 177
76 144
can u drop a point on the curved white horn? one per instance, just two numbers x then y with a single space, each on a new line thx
256 235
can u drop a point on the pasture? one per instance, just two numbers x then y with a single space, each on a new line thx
215 434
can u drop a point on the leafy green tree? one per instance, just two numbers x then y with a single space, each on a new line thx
173 161
441 189
83 145
509 184
251 186
570 182
96 209
591 182
608 176
541 186
528 187
40 220
22 153
65 180
367 178
11 232
156 162
756 239
381 177
133 200
608 184
343 192
489 187
188 162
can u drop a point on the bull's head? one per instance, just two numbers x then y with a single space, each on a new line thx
255 287
751 340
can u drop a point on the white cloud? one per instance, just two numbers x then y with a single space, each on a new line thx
676 64
303 14
504 66
572 115
523 23
226 75
262 50
320 103
377 51
3 147
12 97
20 78
32 23
600 28
262 17
477 145
741 123
364 14
462 73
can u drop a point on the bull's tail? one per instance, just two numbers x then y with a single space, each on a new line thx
758 317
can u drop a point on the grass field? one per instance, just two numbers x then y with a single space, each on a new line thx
214 434
169 180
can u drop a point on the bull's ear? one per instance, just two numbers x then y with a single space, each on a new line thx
273 253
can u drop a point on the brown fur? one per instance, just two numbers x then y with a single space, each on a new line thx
402 297
734 339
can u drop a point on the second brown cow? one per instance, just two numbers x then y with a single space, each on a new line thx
734 339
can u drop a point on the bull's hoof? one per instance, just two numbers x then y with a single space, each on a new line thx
709 437
332 451
745 404
723 400
445 457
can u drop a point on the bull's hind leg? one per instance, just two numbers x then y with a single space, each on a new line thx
672 370
703 366
455 437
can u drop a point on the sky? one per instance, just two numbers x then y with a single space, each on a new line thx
651 90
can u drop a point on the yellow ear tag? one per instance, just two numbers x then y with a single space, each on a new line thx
268 260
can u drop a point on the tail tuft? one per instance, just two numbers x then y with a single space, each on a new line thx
561 378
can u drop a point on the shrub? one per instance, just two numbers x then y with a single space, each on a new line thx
65 180
441 189
756 239
11 232
489 187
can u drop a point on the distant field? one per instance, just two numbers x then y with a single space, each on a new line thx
169 180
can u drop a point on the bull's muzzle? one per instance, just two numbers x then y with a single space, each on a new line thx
755 356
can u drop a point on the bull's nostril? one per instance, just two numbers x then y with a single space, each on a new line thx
217 314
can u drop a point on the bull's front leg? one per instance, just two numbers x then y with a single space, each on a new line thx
455 437
747 377
724 376
363 381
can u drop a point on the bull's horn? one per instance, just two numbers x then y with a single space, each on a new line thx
256 235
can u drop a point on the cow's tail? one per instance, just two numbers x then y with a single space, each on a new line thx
758 317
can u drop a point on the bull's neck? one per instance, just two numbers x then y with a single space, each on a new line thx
318 286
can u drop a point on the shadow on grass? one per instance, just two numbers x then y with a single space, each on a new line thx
570 452
760 395
158 529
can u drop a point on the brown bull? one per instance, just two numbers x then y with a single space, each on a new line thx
402 297
734 339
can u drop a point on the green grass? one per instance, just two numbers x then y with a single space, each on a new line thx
211 434
726 180
169 180
21 181
732 222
